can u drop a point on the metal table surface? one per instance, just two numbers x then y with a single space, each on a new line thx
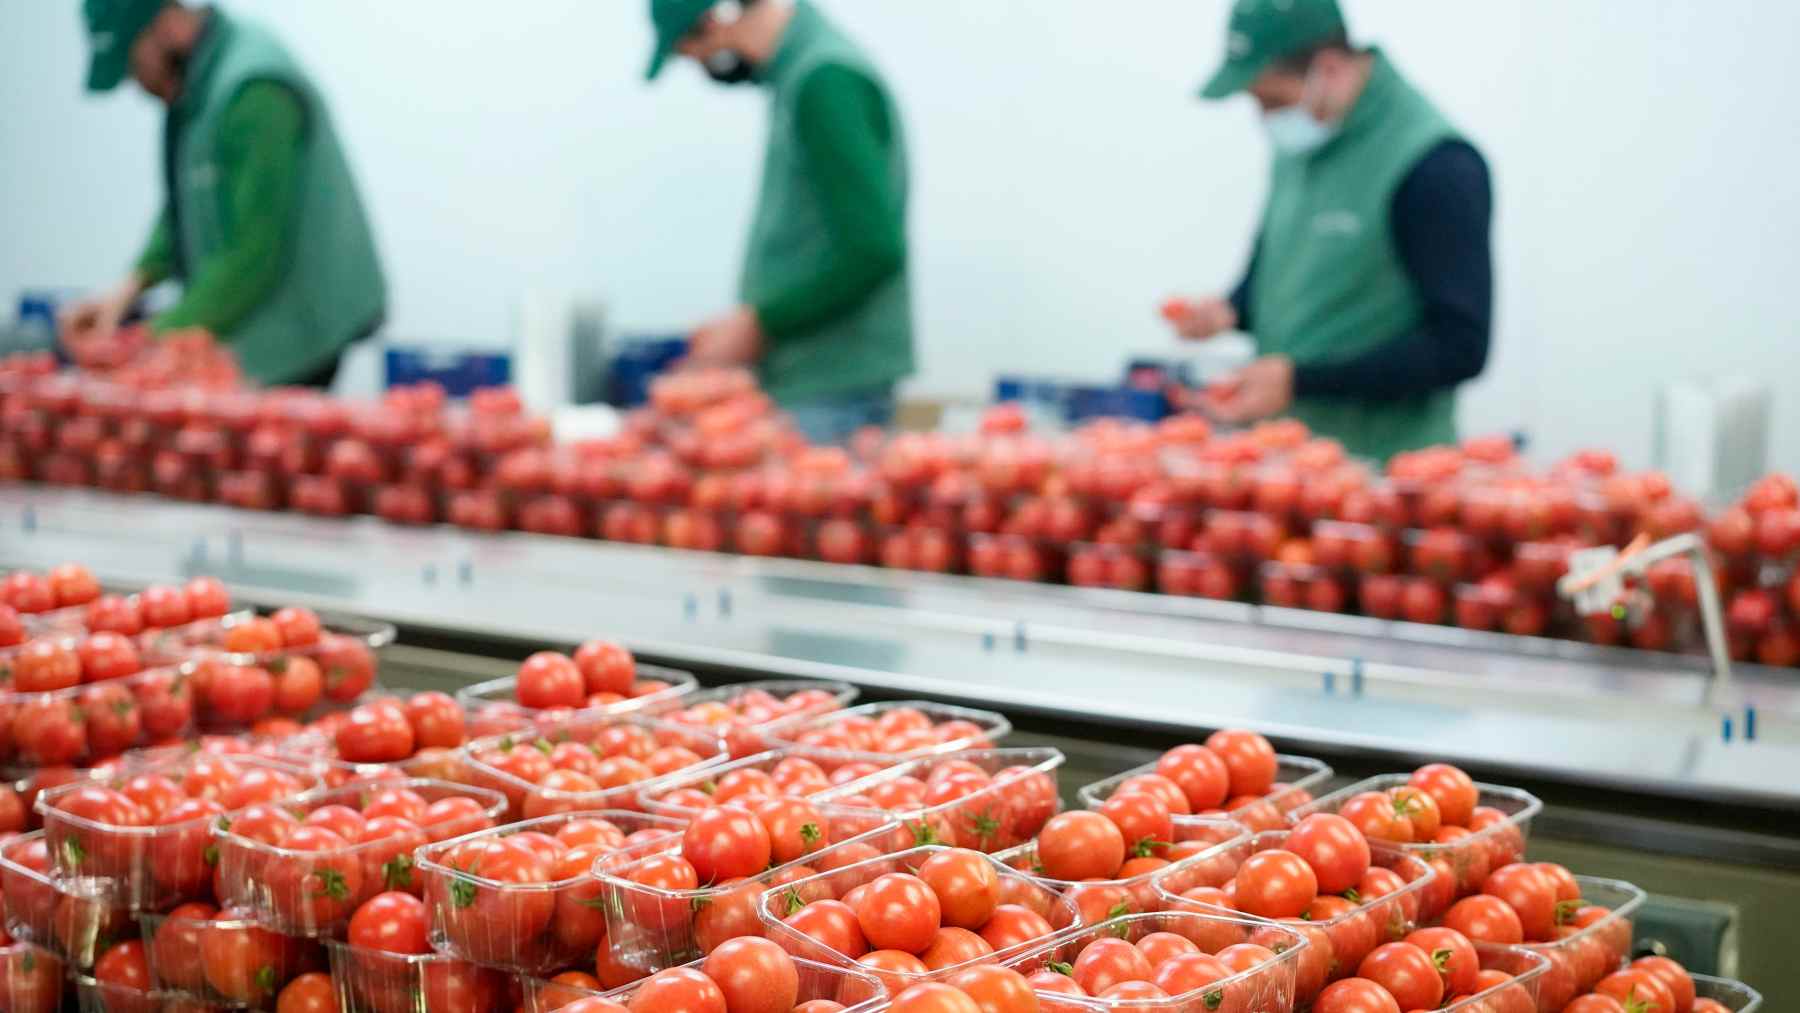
1559 712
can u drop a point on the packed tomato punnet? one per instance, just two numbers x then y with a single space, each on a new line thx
983 799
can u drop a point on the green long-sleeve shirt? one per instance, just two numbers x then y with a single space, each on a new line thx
259 161
846 139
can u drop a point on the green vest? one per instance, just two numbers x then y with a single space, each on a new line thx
871 345
1329 284
330 291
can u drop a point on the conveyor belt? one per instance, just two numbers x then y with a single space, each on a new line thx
1345 686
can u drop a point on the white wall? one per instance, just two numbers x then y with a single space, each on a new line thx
1644 153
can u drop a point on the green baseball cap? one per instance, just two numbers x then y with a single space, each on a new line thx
1263 31
112 26
672 19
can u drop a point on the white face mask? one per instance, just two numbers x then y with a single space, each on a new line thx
1294 130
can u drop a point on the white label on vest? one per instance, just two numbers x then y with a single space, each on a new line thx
1337 223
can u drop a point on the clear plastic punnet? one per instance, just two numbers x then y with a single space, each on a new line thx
375 981
1297 780
155 867
616 759
744 713
75 916
81 725
921 728
1733 995
651 927
1268 985
313 893
1468 859
783 771
1349 935
31 979
776 906
1004 813
532 927
1607 912
106 997
175 949
663 689
856 991
1196 839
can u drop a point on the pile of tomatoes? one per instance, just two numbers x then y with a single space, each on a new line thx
986 800
287 665
1200 960
891 731
1647 983
596 763
741 714
753 975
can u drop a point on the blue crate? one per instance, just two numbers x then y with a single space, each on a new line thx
1116 402
639 361
458 371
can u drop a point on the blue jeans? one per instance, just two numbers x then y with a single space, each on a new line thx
833 418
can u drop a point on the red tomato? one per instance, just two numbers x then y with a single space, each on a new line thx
1530 894
549 679
239 694
298 683
933 997
1248 756
995 989
339 819
110 613
43 665
606 667
375 733
73 584
1407 972
1080 845
1637 987
163 607
898 912
1672 974
392 922
1355 995
1594 1004
834 925
175 947
388 843
966 886
1199 772
1485 919
1375 814
436 719
107 655
1186 972
1453 791
952 947
348 664
1419 809
1275 884
1159 947
796 828
299 627
1107 961
177 854
1012 925
1336 850
312 992
754 975
253 636
124 965
321 886
206 598
486 921
726 843
240 960
12 631
1172 794
1143 819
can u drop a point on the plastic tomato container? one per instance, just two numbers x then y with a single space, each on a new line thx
706 780
375 981
75 917
723 709
1733 995
1205 835
84 724
776 904
154 867
1521 993
1000 815
649 928
1268 986
1505 840
856 991
528 800
538 995
101 997
1350 935
206 638
31 979
256 961
1297 779
1578 961
534 928
983 730
313 893
347 654
502 694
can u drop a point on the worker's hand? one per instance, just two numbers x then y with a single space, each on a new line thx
1260 390
89 329
734 339
1199 319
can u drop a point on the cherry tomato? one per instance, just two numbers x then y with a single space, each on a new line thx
242 961
726 843
1079 845
1172 794
1453 791
178 852
1275 884
1419 809
754 975
834 925
1485 919
348 664
125 965
175 948
796 827
1248 756
44 665
319 886
311 992
1375 814
898 912
253 636
392 922
298 683
387 845
339 819
299 627
548 679
110 613
1594 1004
1107 961
966 886
933 997
728 914
1187 972
375 733
1673 975
1143 819
1199 772
1355 995
1637 988
106 655
239 694
485 921
1407 972
1336 850
436 719
73 584
1158 947
1531 895
606 667
995 989
206 599
163 607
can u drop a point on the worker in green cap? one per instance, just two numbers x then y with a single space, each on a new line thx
825 311
1369 291
261 222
